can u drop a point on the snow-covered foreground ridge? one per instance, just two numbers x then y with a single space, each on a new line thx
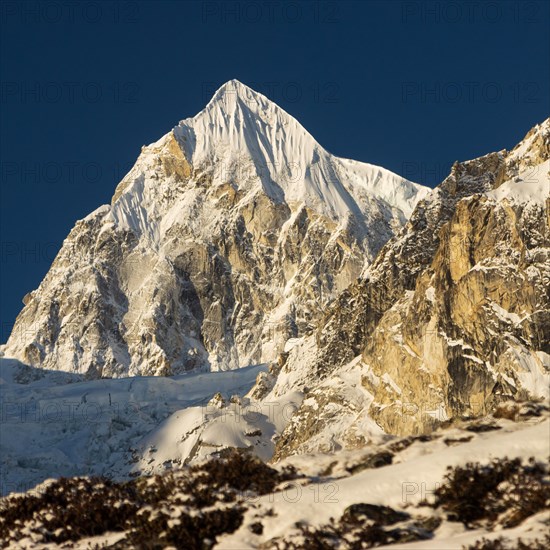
412 476
228 237
374 495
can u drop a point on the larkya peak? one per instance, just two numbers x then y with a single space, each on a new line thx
226 238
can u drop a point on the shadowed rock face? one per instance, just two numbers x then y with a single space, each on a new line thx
452 317
228 237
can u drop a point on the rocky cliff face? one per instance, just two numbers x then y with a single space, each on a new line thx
236 239
451 318
228 237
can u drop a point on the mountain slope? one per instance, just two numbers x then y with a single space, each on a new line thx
451 318
228 237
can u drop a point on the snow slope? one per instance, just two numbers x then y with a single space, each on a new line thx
55 424
531 185
413 476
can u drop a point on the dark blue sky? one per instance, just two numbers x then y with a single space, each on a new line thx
409 85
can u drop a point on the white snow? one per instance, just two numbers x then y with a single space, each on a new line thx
504 315
59 425
430 294
531 185
534 375
100 211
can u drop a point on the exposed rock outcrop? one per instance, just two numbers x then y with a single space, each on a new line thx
451 318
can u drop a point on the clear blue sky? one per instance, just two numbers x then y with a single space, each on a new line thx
409 85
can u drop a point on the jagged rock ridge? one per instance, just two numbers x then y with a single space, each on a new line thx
451 318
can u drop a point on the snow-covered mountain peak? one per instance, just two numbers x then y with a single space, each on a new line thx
533 150
235 99
234 93
226 238
243 137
